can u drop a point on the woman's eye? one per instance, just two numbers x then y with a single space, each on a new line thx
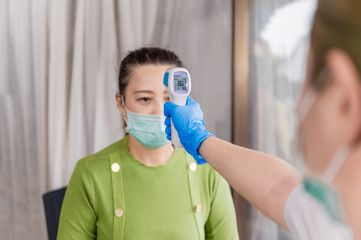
144 99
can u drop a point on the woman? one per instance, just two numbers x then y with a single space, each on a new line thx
141 187
324 203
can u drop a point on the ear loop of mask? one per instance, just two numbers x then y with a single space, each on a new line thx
341 154
303 107
336 163
125 107
307 101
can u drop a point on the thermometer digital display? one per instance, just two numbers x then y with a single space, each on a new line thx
178 83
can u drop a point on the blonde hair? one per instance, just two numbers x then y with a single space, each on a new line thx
337 24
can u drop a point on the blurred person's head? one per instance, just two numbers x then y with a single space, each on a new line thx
334 68
140 81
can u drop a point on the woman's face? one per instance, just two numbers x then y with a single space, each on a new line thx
145 93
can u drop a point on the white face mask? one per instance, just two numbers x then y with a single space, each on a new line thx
320 187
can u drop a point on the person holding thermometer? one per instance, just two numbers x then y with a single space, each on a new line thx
322 201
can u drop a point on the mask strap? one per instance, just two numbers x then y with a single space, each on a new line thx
310 97
125 107
123 101
336 163
306 103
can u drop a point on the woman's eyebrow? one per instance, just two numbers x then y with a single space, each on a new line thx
143 91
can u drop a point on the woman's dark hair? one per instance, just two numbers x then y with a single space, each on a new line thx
144 56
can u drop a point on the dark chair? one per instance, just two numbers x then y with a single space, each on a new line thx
52 205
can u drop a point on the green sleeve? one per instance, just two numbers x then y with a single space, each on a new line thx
221 223
78 218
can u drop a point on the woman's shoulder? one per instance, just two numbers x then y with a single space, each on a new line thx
97 160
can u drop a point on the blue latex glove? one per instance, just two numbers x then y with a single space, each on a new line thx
188 121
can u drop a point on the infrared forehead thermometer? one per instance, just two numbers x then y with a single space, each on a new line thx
178 83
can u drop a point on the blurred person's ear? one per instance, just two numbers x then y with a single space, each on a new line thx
347 93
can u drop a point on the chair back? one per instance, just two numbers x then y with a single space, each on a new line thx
52 205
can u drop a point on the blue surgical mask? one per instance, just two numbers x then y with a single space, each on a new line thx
320 187
148 129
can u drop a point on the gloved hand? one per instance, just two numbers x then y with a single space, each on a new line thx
188 121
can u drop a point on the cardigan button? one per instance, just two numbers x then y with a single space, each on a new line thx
198 208
192 166
115 167
119 212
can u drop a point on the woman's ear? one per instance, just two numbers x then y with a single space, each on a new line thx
120 104
346 81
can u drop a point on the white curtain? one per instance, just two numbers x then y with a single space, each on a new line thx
58 79
279 32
